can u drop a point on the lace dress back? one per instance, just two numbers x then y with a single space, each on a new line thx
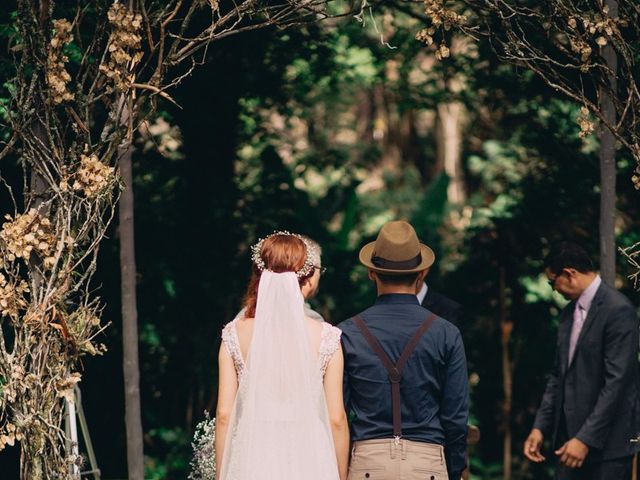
329 343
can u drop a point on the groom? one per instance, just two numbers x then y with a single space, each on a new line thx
405 371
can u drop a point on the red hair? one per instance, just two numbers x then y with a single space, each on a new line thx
280 253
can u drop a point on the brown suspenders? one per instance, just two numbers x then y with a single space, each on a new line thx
394 370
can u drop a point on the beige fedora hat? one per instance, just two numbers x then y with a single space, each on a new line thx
397 251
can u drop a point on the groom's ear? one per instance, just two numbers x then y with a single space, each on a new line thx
422 274
372 275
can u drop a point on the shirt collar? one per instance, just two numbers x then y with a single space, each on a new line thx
422 293
397 298
586 298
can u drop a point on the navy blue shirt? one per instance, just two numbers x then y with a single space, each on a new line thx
434 388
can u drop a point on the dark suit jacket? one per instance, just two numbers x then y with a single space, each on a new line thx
598 393
443 307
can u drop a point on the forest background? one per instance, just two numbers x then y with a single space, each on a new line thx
332 129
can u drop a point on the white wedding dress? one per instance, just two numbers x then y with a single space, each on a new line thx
279 428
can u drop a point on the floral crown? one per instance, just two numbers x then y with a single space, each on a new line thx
311 250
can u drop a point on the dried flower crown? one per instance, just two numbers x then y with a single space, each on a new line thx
305 270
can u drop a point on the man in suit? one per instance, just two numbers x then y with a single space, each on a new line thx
589 410
451 311
440 304
405 371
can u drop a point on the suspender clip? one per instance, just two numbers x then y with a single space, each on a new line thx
394 375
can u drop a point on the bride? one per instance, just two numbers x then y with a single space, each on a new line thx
280 413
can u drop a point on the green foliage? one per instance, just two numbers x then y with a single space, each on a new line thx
299 160
172 443
8 34
325 131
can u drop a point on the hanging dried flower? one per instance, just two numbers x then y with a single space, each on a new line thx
65 386
586 125
598 29
93 177
442 52
12 297
9 434
439 17
636 178
124 47
56 74
582 48
26 234
424 37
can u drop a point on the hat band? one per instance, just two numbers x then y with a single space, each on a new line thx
393 265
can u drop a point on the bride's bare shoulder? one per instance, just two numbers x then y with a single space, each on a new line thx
244 323
314 325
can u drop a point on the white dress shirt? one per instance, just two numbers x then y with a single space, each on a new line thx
422 293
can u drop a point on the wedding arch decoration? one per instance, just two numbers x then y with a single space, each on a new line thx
87 74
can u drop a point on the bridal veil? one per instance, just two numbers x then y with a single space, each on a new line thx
279 428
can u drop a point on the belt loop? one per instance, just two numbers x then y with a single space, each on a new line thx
353 449
392 449
441 455
403 448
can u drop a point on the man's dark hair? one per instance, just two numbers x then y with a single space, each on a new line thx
405 280
568 255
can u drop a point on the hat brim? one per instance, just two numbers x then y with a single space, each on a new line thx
426 254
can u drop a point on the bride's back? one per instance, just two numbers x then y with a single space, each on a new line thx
280 416
244 328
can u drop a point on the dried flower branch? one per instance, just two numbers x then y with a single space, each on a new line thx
562 42
441 19
632 254
586 50
128 55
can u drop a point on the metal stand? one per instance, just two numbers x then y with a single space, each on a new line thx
75 411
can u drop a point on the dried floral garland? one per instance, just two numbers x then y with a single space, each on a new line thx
311 253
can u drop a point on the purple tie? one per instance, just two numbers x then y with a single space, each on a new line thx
578 321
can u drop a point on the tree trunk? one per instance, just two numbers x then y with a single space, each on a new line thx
32 460
133 420
506 327
608 164
449 140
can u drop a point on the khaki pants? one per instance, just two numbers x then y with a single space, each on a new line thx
388 459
